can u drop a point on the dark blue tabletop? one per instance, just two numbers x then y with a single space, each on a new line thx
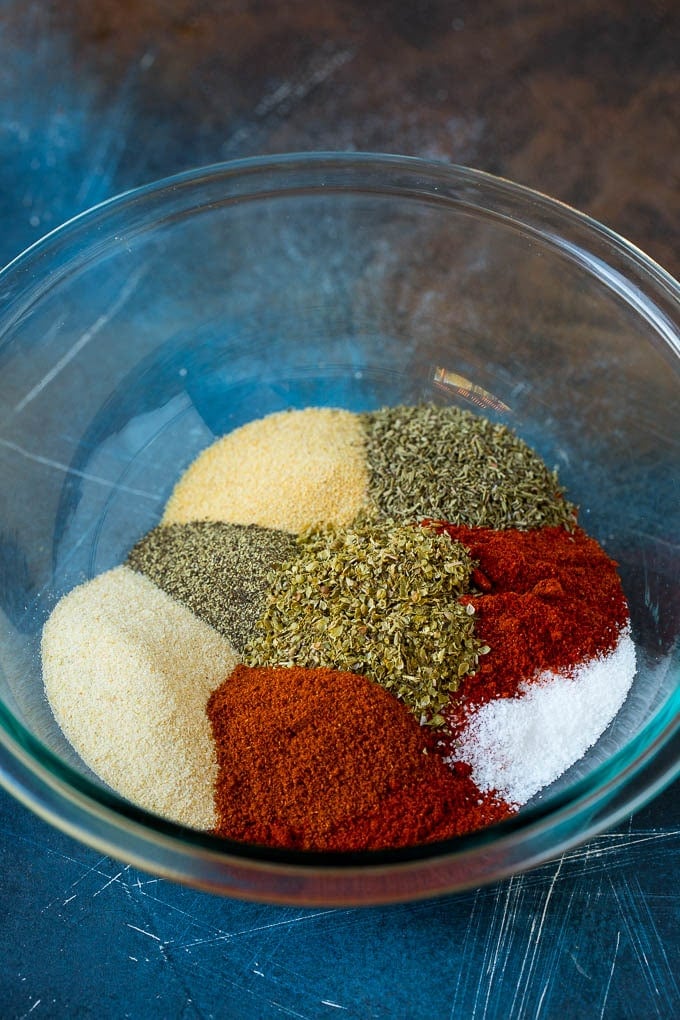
579 101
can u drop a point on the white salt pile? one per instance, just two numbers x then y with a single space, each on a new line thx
128 672
517 746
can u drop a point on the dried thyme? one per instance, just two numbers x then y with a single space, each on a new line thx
450 464
378 598
218 570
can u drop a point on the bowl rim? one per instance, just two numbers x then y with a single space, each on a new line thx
543 208
330 158
41 779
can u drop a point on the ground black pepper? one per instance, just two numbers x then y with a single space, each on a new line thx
218 570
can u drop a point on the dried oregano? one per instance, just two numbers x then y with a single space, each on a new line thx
450 464
379 598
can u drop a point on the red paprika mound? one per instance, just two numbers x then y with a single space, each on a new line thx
315 759
551 599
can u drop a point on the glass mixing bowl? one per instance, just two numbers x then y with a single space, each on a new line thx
136 333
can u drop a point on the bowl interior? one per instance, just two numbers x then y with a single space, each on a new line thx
145 329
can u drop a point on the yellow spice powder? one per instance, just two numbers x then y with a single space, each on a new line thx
128 672
288 470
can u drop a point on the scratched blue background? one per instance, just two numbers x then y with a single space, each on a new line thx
581 103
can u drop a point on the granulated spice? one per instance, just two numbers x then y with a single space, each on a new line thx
378 598
326 760
442 462
288 471
516 746
128 672
218 570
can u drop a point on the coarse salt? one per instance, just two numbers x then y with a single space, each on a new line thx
517 746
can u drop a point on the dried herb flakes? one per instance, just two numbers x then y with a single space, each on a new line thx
378 598
446 463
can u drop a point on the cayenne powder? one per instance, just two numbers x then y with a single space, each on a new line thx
551 599
316 759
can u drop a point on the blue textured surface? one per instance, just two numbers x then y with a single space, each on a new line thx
594 934
95 101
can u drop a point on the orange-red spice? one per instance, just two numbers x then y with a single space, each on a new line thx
315 759
552 599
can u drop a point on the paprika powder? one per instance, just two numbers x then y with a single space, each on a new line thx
316 759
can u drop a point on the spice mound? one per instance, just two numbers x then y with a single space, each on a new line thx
127 672
379 598
287 471
547 599
217 570
315 759
348 632
430 461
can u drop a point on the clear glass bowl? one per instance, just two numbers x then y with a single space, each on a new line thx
137 332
